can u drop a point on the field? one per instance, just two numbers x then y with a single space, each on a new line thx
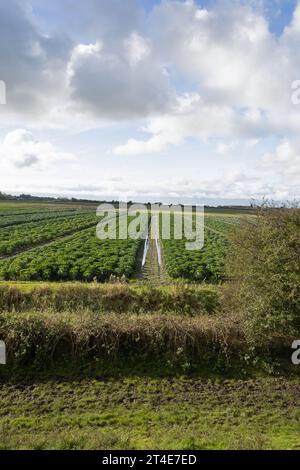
62 257
60 244
105 352
206 264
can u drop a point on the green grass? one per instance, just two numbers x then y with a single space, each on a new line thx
149 413
191 300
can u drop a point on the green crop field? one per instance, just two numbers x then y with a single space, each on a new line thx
80 256
60 244
206 264
105 352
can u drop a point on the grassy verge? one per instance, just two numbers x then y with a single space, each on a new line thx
148 413
178 298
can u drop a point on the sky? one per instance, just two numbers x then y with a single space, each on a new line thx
151 100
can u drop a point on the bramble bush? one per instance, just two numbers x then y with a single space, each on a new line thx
264 268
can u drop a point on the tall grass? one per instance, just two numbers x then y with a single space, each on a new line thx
119 298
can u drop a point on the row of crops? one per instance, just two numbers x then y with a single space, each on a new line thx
81 257
18 219
16 238
8 211
207 264
71 250
220 225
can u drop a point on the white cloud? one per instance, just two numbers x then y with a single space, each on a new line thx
223 148
285 160
231 185
32 64
20 149
243 74
137 48
125 84
193 117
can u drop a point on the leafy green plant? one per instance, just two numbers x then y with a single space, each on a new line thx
263 266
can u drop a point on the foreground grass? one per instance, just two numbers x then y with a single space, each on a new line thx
148 413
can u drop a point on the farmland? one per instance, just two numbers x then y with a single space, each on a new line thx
70 250
81 256
14 238
18 219
206 264
105 354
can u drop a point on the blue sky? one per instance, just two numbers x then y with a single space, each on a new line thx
150 100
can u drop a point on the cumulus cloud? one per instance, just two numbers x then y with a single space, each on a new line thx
122 84
241 72
20 149
32 63
130 63
285 159
194 117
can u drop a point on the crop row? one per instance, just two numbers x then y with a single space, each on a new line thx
11 220
221 226
8 212
21 236
206 264
80 257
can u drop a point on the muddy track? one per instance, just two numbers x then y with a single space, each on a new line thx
152 271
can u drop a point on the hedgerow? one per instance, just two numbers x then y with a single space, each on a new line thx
263 268
38 340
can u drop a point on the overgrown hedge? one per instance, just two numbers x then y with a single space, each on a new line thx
40 340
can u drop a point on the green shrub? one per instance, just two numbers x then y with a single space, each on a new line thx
264 268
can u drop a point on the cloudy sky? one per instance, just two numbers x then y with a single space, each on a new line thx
150 99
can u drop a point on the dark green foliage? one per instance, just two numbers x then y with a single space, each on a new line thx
17 237
81 257
24 218
206 264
